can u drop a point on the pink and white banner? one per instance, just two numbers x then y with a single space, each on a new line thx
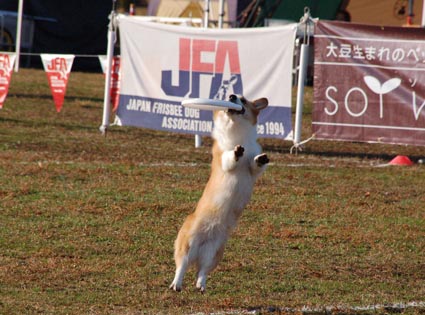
58 68
163 64
6 66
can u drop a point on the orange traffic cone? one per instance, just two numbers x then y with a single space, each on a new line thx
401 160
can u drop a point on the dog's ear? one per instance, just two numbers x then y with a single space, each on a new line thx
261 103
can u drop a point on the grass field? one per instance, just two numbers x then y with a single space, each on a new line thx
87 223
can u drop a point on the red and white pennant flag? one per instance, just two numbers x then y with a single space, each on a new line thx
58 68
6 66
115 78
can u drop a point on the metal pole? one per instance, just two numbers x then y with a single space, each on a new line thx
206 13
410 13
423 13
198 138
300 93
304 51
220 14
109 56
18 34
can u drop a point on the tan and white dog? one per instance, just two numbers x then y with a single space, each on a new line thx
237 162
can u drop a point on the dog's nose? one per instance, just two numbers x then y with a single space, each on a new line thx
233 98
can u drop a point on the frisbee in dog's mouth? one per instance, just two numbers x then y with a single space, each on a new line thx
211 104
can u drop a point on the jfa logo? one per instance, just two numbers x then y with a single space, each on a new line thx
5 64
58 65
225 71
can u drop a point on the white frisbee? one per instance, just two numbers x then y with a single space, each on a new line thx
209 104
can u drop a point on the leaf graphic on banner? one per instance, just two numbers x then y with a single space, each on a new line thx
373 84
390 85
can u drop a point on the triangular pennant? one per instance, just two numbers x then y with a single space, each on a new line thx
115 84
115 78
6 66
102 60
57 68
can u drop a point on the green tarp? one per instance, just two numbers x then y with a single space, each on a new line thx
294 9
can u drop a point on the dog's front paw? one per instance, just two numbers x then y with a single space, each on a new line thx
239 150
261 159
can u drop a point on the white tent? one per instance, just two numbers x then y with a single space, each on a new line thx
194 9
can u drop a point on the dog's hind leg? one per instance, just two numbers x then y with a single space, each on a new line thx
181 257
208 259
182 253
181 267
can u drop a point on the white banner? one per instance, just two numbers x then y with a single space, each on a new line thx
163 64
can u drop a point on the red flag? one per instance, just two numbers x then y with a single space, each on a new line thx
115 78
115 82
6 67
58 68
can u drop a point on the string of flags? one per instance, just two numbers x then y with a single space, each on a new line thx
58 68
